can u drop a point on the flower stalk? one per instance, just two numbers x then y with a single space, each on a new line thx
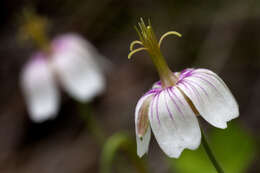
210 154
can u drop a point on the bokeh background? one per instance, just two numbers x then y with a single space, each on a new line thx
99 136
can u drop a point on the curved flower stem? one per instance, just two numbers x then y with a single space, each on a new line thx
118 141
122 142
210 154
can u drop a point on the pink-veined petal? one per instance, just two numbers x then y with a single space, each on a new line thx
210 96
142 142
173 122
157 85
74 62
41 95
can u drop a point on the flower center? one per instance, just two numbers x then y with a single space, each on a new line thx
34 28
149 42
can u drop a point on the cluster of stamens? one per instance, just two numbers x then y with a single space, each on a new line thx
148 40
34 28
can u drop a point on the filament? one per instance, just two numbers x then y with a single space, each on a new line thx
135 51
134 43
167 34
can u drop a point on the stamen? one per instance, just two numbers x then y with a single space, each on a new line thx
167 34
149 42
134 43
135 51
34 27
143 29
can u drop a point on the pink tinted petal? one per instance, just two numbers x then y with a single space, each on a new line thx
178 127
39 89
211 97
157 85
142 144
74 62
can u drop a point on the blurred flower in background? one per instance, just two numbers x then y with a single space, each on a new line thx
68 60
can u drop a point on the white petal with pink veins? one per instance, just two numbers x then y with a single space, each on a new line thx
210 96
42 97
74 62
142 142
173 122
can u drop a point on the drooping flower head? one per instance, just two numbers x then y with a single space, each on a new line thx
170 107
68 60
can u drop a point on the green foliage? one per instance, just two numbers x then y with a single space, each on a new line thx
116 143
233 147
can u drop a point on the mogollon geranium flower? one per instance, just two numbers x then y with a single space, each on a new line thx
171 106
71 62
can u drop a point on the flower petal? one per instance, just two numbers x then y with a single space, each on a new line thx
157 85
144 140
39 89
210 96
143 144
73 60
173 122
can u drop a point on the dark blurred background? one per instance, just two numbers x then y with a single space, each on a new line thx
219 35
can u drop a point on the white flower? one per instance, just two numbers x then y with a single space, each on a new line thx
171 111
171 106
70 63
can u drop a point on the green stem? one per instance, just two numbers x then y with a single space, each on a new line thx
210 154
92 124
120 140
